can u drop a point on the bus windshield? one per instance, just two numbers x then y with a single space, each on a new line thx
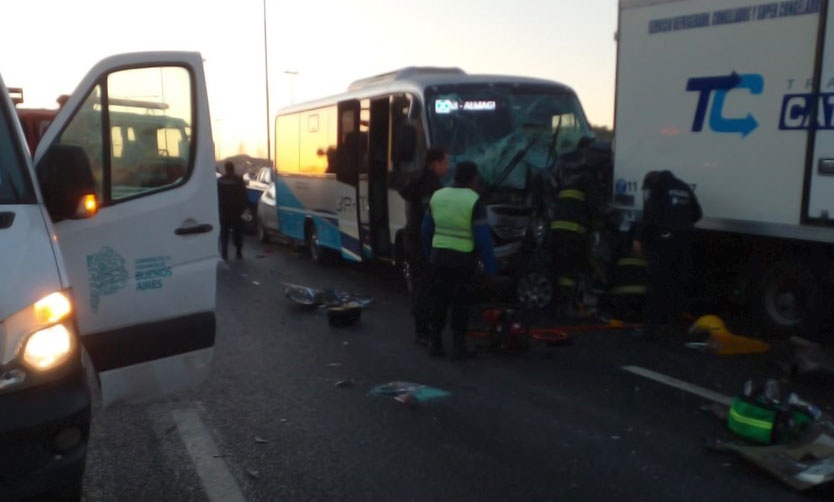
512 131
15 184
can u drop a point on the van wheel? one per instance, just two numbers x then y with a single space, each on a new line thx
788 300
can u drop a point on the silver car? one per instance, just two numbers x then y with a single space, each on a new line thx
267 226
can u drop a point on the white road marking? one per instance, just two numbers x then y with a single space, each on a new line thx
217 481
680 384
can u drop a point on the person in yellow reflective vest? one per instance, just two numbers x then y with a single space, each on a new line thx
578 210
455 234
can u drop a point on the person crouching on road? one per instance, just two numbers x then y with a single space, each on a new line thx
455 234
417 194
231 195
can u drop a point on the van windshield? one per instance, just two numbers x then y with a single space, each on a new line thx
492 123
15 183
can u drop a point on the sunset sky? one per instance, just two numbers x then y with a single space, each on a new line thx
315 48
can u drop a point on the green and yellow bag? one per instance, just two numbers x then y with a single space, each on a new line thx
765 422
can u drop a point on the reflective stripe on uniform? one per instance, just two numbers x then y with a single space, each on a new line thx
570 193
633 262
566 281
628 290
569 226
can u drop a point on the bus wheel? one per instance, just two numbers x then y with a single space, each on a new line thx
317 251
788 300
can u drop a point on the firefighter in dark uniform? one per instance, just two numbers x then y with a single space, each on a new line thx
231 197
455 234
578 210
417 194
670 211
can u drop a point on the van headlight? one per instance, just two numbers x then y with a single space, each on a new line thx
48 347
37 342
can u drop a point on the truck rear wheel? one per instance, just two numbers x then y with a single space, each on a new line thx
789 300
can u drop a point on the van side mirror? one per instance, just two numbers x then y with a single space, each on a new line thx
67 184
405 143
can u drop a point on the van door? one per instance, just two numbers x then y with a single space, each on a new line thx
143 270
820 202
350 152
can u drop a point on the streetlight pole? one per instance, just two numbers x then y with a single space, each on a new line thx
266 80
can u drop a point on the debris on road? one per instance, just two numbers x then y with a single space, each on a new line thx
343 316
721 341
409 393
261 440
253 473
346 383
342 309
312 297
802 464
809 357
786 436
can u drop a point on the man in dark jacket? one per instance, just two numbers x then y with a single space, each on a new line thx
231 194
455 234
670 211
417 194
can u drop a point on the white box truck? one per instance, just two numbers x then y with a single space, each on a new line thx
736 97
108 254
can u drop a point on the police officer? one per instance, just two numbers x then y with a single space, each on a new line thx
670 211
417 194
455 234
578 210
231 195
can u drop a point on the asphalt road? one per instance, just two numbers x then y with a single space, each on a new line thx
553 423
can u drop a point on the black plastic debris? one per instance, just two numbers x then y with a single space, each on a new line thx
325 298
343 309
343 316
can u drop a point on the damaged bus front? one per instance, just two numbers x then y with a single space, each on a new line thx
515 129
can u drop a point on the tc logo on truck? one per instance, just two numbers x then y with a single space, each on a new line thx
718 87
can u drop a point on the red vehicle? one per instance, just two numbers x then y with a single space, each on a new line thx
33 120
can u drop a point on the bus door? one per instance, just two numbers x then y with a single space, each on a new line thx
377 188
350 150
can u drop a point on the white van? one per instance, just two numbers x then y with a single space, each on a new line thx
108 254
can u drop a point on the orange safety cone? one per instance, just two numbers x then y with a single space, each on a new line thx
722 342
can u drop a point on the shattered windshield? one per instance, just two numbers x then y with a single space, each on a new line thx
512 131
15 185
